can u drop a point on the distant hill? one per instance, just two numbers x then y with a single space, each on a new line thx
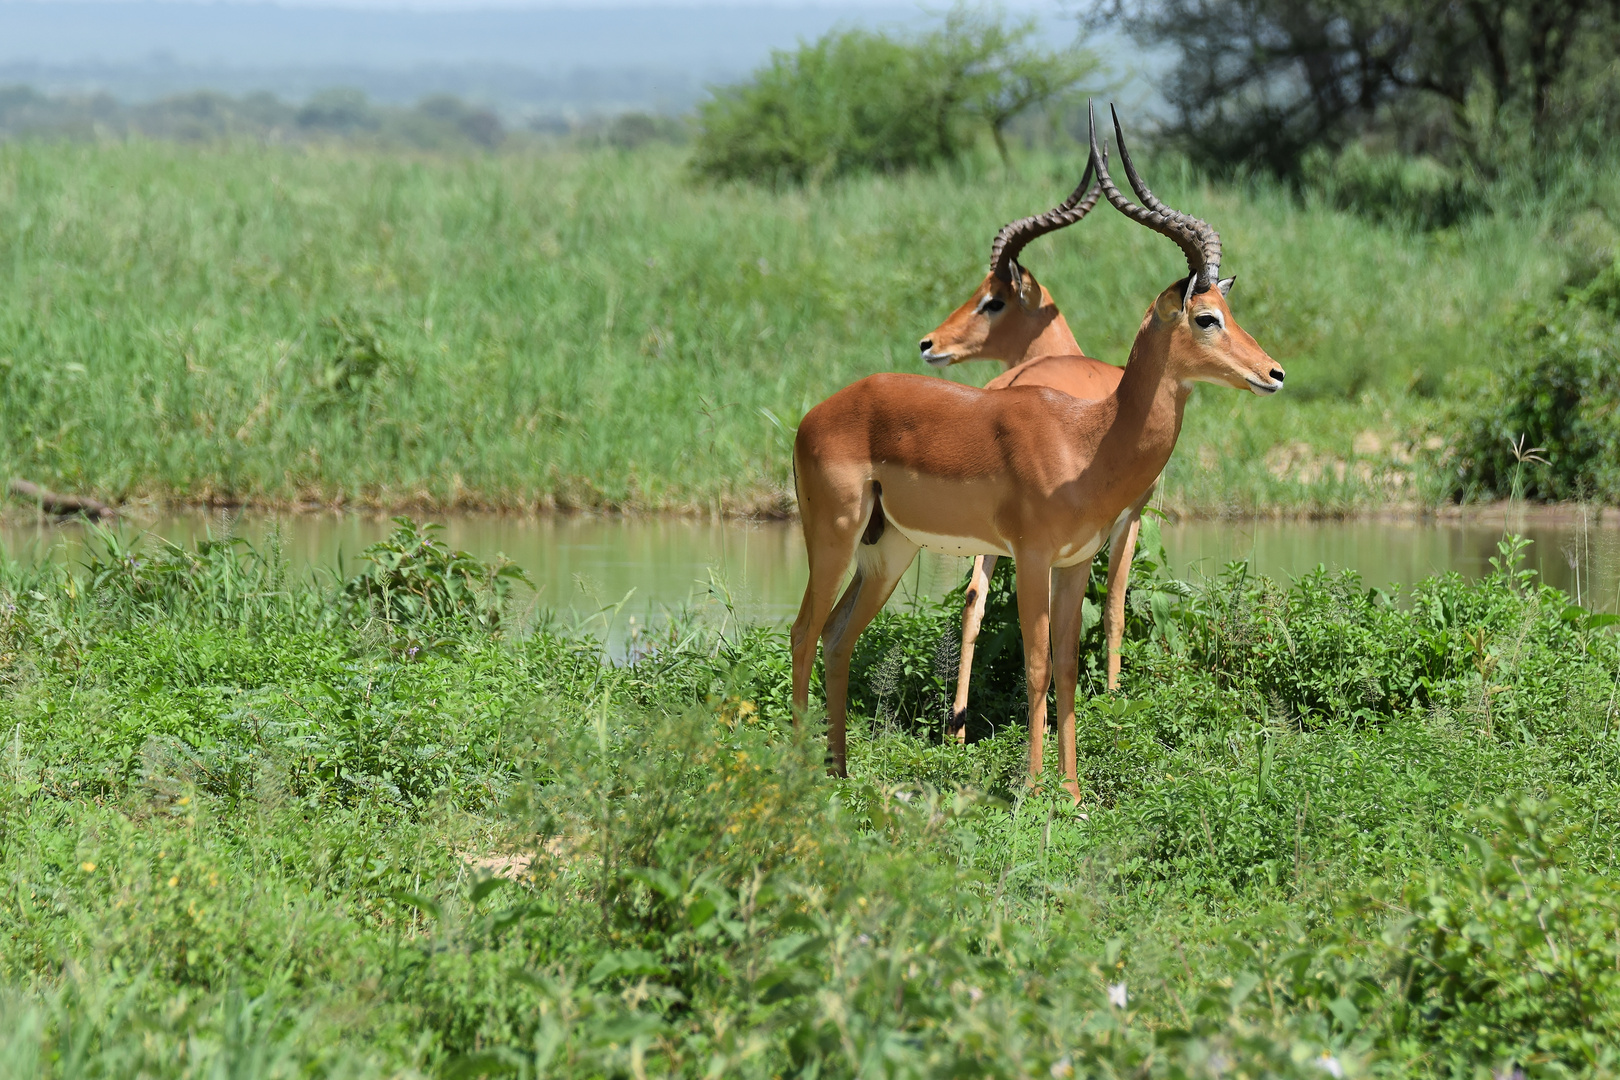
522 61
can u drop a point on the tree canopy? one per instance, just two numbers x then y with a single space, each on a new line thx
1260 82
862 101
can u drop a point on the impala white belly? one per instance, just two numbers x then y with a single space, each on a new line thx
948 545
1078 552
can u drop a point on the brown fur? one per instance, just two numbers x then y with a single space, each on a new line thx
1025 471
1036 348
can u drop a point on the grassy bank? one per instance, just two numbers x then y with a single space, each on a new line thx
237 323
258 827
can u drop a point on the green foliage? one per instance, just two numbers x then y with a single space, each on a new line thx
1418 192
1515 954
416 578
1546 426
244 833
357 354
1499 84
853 101
860 101
173 315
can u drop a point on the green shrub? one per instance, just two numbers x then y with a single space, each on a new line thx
853 101
244 833
860 101
1513 956
1415 191
417 578
1547 426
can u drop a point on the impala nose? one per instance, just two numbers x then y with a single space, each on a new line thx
1277 374
927 344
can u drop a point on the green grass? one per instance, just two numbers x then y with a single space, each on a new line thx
238 323
241 819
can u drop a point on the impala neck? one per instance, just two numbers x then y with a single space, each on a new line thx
1055 337
1149 403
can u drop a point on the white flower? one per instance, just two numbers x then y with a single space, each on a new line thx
1062 1068
1331 1064
1116 995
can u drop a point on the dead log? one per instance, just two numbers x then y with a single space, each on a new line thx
62 505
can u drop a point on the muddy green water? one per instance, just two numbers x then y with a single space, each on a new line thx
583 566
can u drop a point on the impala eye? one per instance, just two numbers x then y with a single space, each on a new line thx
993 305
1208 321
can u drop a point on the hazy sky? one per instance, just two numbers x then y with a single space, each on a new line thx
633 53
1030 6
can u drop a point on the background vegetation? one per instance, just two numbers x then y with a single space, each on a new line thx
614 322
441 122
588 328
262 827
391 824
1498 86
861 101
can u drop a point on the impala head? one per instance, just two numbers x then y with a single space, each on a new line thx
998 322
1009 309
1206 343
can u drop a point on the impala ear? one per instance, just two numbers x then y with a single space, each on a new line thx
1186 297
1020 284
1168 305
1225 284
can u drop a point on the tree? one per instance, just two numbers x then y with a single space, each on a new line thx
1261 81
1006 74
859 101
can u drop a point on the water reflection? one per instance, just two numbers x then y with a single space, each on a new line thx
1579 559
583 565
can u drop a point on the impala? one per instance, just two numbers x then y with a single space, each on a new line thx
895 463
1012 318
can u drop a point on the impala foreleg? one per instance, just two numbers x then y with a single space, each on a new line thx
1068 591
978 591
878 569
1034 620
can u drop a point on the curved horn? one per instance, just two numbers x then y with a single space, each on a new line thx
1160 218
1209 240
1015 235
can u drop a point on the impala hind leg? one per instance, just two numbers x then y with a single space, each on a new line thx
878 569
830 551
1068 590
1034 620
1121 549
978 591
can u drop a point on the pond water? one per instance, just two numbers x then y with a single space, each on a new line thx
582 566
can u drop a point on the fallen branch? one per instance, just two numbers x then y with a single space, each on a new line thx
62 505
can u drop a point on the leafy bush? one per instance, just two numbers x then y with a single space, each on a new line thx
417 578
1548 424
861 101
855 100
1415 191
259 839
1513 956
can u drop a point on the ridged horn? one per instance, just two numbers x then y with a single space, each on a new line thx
1200 243
1013 237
